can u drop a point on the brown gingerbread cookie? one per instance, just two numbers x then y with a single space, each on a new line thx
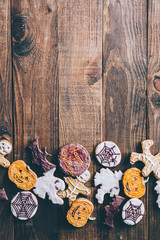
80 212
74 159
22 175
75 186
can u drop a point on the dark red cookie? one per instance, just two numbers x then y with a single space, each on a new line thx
74 159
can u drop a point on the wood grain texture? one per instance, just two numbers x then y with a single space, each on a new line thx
6 221
153 107
35 79
124 89
80 84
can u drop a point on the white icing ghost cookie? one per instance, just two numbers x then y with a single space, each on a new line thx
75 186
5 148
109 182
133 211
108 154
49 184
157 189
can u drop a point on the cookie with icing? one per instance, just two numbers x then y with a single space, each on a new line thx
108 154
75 186
80 212
74 159
40 157
157 189
3 195
49 185
133 183
24 205
109 182
133 211
5 149
22 175
152 163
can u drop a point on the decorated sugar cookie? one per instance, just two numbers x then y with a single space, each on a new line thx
80 212
75 186
50 185
133 211
22 175
24 205
39 157
157 189
5 148
152 163
133 183
112 209
109 182
108 154
74 159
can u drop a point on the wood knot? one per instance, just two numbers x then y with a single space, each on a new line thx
22 36
156 81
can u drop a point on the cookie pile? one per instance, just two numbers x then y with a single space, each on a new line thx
74 160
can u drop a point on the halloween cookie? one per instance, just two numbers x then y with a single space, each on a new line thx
73 159
109 182
133 183
39 157
22 175
75 186
157 189
5 148
80 212
24 205
3 195
152 163
108 154
133 211
49 184
112 209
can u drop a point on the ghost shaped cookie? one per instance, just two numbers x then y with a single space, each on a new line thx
5 148
50 185
75 186
22 175
109 182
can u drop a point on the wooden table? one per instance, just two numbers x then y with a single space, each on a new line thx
79 71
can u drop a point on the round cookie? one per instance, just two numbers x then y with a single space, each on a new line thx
80 212
133 211
74 159
24 205
22 175
108 154
133 183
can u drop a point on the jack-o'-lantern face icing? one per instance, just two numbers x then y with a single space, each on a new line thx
80 212
133 183
22 175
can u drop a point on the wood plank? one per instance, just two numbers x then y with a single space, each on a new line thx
124 90
153 108
6 221
80 98
35 77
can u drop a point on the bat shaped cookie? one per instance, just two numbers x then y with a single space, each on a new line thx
39 157
5 148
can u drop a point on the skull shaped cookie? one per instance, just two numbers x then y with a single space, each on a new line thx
22 175
5 148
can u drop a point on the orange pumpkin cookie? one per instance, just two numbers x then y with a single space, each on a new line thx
80 212
133 183
22 175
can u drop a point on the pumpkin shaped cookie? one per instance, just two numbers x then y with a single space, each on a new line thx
133 183
80 212
22 175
